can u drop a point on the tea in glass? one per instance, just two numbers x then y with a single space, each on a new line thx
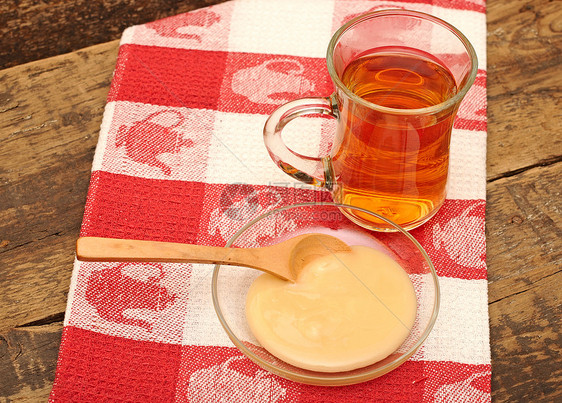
391 164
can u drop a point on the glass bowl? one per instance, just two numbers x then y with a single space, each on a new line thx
230 285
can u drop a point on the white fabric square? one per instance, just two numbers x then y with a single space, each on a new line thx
153 141
471 24
239 154
288 27
461 331
202 326
467 165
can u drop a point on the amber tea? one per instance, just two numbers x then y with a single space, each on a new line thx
387 163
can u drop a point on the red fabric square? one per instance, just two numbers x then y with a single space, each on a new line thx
168 76
229 207
259 83
93 367
401 385
456 382
128 207
455 239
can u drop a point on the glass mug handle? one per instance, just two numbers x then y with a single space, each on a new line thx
311 170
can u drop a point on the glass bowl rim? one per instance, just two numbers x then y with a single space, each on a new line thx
330 378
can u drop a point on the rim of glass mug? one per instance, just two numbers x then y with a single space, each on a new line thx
417 14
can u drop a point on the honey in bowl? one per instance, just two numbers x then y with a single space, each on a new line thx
346 310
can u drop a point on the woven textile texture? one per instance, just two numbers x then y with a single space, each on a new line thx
181 152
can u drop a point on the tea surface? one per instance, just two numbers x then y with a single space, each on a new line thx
401 81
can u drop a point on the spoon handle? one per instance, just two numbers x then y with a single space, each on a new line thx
131 250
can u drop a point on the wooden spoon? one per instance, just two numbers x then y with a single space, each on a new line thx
285 259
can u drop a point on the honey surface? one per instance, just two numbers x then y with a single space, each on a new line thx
346 311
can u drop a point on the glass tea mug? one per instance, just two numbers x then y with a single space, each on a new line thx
399 78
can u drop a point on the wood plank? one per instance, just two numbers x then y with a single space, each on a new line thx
526 344
50 112
524 230
524 235
32 30
524 84
52 109
28 360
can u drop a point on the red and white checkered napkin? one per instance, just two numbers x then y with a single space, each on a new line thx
180 149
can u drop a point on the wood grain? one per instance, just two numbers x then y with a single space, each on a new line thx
32 30
50 116
28 359
526 344
523 214
524 232
51 110
525 299
524 85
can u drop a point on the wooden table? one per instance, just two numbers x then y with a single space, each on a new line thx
50 114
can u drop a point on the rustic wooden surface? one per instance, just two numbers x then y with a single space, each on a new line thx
33 30
51 109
